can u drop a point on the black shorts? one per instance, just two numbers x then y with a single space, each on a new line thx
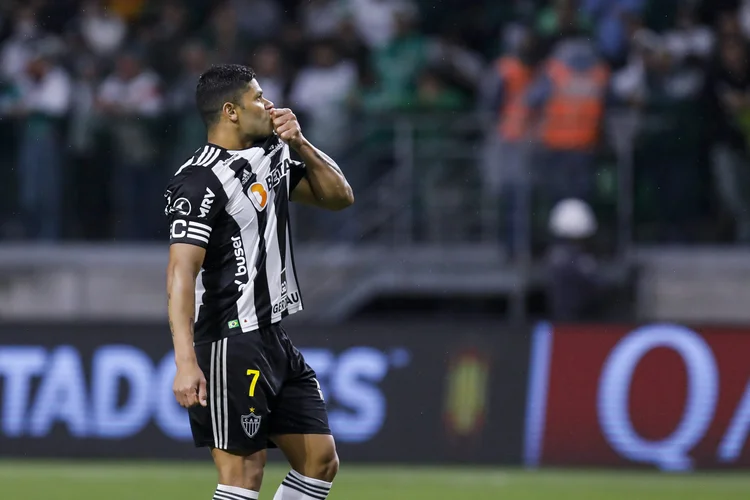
258 386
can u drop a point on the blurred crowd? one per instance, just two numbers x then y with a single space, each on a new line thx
96 99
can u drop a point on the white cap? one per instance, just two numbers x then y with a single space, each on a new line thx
572 218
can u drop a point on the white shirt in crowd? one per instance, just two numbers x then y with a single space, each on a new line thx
50 95
140 94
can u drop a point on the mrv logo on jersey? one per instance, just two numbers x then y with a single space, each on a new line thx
208 200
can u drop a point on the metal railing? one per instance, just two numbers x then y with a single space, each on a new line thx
423 180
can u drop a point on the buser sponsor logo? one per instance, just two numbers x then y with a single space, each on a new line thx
241 261
208 200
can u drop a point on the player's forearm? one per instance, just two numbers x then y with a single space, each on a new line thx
181 306
326 179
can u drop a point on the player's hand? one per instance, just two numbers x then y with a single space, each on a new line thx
189 385
286 126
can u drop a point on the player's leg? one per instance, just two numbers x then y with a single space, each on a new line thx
300 429
240 475
314 464
232 424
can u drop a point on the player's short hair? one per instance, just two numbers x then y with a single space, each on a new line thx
220 84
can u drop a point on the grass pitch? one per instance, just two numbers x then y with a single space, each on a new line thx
34 480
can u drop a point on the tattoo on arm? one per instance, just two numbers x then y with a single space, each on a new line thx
171 326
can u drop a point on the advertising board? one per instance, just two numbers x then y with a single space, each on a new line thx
659 395
421 392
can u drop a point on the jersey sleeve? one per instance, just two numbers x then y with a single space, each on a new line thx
297 172
194 200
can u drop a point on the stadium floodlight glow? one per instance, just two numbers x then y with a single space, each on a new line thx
670 453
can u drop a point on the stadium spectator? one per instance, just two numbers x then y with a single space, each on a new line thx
398 63
572 282
257 20
667 93
223 35
186 124
88 198
569 96
689 40
102 29
660 51
166 38
611 30
321 18
267 62
729 91
17 49
508 141
130 99
377 20
45 98
320 93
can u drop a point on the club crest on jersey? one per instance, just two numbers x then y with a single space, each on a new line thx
258 195
251 423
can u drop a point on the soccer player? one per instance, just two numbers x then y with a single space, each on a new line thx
231 280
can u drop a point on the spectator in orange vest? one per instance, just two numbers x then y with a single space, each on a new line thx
569 97
505 157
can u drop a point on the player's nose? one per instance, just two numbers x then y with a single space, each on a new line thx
269 105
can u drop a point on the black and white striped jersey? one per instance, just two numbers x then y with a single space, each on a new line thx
235 204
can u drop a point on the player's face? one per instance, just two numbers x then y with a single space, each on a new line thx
254 116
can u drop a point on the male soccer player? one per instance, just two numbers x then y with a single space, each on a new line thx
230 281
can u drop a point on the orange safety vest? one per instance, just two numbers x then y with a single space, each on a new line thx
574 110
514 114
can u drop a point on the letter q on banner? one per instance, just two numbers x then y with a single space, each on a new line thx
670 453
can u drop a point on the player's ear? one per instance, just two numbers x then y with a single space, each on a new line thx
230 110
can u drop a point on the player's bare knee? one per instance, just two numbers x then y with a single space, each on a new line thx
241 471
323 466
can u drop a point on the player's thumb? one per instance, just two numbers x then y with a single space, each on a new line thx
202 392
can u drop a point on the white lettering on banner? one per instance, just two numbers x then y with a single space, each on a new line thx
61 396
111 366
734 439
670 453
352 383
17 366
349 381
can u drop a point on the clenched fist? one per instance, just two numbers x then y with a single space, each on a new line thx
189 385
286 126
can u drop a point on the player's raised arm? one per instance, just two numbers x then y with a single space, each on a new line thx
323 183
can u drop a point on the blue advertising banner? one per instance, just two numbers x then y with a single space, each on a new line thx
396 392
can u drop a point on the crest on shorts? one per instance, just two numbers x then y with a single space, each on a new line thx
251 423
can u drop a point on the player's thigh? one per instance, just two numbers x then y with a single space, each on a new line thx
241 392
239 469
300 407
300 424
